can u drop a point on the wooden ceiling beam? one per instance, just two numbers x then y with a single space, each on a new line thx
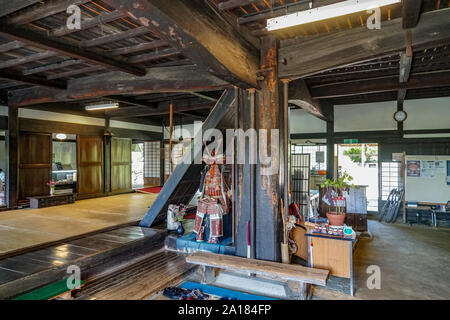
7 7
202 33
302 57
89 23
17 76
52 66
148 57
130 113
139 47
381 84
39 39
133 102
114 37
42 10
167 79
13 45
27 59
71 73
232 4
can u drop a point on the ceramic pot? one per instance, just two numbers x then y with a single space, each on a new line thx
336 219
180 229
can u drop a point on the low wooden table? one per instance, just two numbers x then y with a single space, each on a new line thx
50 201
332 253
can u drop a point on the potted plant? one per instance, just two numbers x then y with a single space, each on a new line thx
337 217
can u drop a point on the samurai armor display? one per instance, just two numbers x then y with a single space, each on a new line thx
216 221
199 237
198 221
213 182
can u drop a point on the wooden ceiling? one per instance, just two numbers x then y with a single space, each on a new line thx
119 55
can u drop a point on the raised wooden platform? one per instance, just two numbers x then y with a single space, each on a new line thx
51 201
23 273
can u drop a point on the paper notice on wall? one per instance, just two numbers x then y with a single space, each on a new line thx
413 168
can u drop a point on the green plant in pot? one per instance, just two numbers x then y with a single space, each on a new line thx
337 217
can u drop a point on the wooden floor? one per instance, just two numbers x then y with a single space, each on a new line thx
141 280
30 228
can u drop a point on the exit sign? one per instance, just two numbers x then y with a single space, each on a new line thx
350 141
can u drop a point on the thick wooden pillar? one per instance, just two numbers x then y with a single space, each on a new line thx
12 148
244 180
330 150
267 187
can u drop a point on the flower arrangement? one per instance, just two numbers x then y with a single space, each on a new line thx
51 184
181 212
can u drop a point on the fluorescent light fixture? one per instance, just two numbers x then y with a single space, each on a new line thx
61 136
102 106
326 12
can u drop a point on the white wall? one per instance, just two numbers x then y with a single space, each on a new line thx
422 114
303 122
60 117
365 117
427 114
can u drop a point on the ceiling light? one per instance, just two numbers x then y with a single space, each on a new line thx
325 12
102 106
61 136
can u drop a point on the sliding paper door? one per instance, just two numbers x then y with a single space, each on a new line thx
120 165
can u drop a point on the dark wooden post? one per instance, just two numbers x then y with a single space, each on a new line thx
330 149
268 217
107 162
12 149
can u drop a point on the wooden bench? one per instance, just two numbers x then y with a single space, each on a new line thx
50 201
298 279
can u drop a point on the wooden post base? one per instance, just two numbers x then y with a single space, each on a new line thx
208 274
298 290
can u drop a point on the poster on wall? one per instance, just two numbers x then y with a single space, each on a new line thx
413 168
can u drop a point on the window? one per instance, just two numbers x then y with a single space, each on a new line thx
312 151
151 159
390 178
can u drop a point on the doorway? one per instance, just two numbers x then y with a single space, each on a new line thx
137 165
361 162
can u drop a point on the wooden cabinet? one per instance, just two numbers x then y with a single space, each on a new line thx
358 221
35 164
